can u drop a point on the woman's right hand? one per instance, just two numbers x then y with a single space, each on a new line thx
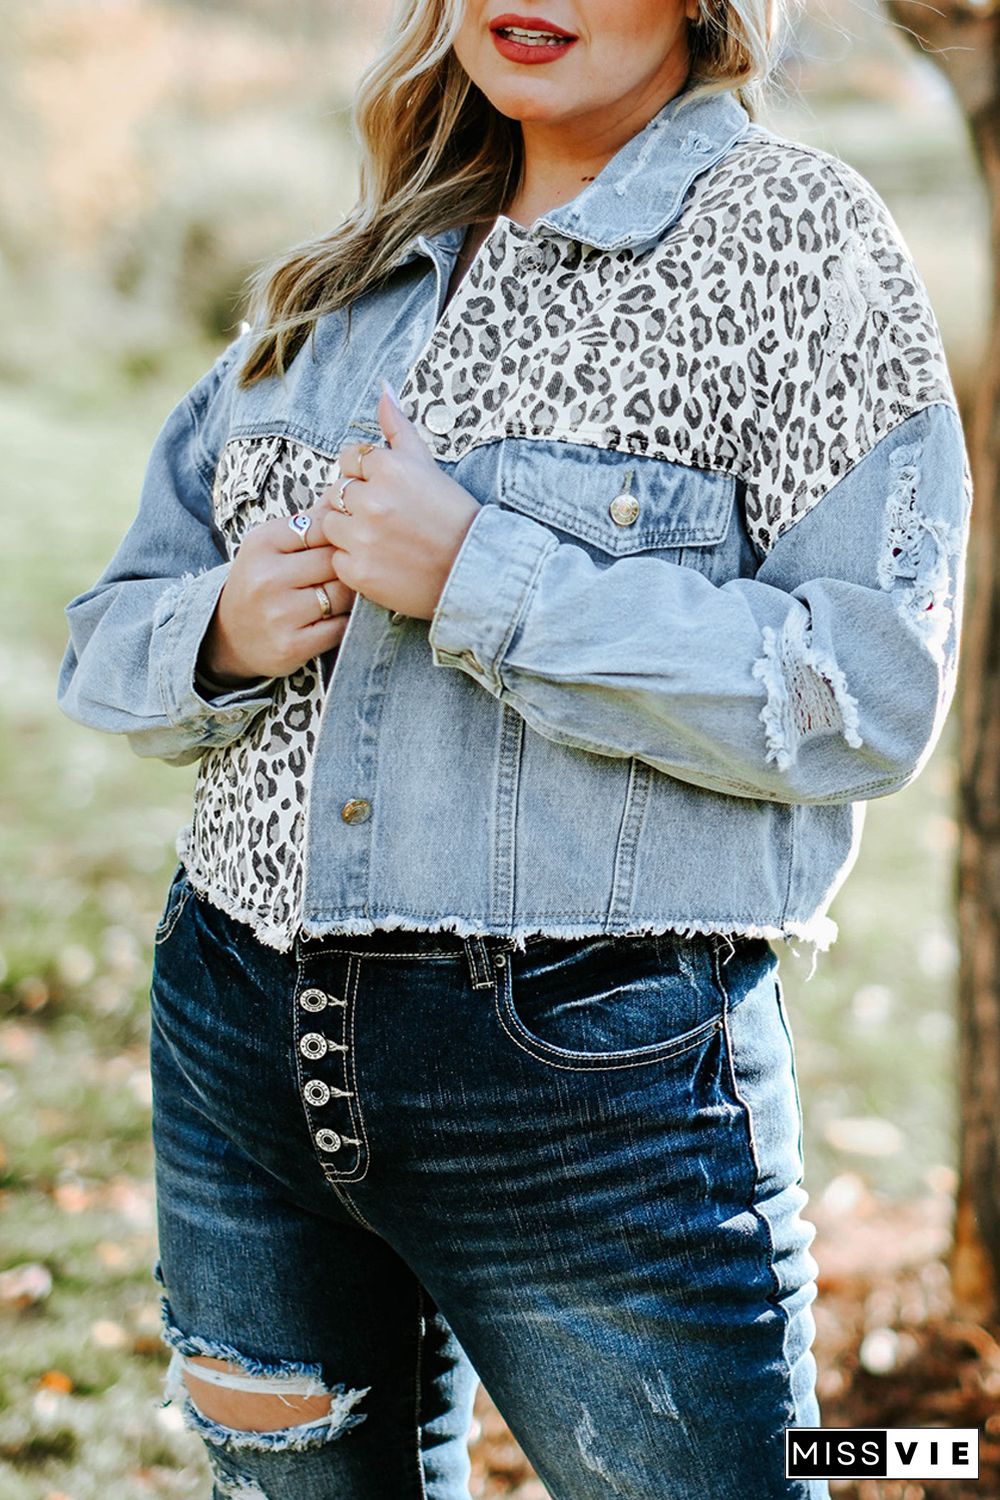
268 621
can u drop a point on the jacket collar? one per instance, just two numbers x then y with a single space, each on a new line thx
637 195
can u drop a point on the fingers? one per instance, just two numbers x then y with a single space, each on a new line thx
322 636
311 565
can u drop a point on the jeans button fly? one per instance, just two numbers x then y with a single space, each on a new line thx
327 1140
312 1000
313 1045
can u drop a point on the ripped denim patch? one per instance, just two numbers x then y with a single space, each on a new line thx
918 556
806 691
281 1378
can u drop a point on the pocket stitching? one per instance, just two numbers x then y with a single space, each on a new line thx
170 918
586 1062
515 493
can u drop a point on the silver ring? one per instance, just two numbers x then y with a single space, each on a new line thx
326 607
339 502
300 524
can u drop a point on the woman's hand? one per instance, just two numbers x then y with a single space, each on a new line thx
407 519
268 619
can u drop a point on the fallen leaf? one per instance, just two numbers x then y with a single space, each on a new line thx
22 1286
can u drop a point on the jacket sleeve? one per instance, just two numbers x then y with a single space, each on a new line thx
130 665
824 678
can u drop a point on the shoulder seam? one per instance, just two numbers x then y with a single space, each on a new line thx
886 432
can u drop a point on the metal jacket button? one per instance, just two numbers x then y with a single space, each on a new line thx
624 509
313 1045
356 810
316 1092
439 418
327 1140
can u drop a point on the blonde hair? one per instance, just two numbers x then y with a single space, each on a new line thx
435 153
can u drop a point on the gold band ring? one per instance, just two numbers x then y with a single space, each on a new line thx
326 608
339 502
364 448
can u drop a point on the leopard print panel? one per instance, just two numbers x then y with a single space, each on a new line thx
243 847
776 332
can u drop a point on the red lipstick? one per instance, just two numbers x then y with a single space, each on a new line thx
530 39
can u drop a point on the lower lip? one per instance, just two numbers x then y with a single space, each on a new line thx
522 52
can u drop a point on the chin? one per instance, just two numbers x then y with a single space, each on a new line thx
518 102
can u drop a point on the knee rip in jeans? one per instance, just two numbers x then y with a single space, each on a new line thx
271 1406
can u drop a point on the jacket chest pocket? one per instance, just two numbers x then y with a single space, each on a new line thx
259 478
619 504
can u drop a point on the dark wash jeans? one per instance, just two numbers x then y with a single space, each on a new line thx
404 1162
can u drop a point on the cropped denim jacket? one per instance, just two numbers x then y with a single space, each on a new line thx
710 606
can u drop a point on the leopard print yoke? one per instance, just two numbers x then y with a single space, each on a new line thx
767 340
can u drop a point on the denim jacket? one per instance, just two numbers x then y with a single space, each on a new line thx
710 605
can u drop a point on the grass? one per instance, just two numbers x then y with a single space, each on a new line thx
88 832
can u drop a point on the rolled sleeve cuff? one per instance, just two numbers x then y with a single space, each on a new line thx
486 592
184 614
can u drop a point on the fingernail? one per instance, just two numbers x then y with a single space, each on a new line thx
387 388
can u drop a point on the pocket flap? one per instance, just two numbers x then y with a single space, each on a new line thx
620 502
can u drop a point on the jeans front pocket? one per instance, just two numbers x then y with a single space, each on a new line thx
611 1002
177 898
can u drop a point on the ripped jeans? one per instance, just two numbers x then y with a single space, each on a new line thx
390 1166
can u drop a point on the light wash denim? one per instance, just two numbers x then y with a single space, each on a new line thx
610 725
393 1164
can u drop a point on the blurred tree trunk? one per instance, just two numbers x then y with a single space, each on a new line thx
963 41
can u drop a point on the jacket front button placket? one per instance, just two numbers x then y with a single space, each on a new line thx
356 810
439 419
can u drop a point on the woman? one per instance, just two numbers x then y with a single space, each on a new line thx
530 706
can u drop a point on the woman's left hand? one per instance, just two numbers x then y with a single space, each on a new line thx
407 519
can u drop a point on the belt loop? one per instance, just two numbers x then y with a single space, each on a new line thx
478 959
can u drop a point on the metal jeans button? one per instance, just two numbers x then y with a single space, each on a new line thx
316 1092
313 1045
312 1000
327 1140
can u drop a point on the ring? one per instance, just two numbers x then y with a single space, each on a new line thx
326 608
339 502
364 448
300 525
